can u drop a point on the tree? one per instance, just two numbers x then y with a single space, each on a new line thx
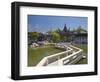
80 30
57 30
55 37
34 35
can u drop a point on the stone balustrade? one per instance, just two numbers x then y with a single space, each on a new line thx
63 58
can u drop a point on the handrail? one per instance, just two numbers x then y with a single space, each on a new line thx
69 56
73 54
44 61
45 58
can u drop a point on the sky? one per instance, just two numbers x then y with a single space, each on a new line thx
43 23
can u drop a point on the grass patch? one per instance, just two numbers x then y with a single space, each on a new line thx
82 46
85 52
37 54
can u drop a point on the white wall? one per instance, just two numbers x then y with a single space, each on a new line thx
5 40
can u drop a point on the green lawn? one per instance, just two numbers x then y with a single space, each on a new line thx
82 46
85 51
37 54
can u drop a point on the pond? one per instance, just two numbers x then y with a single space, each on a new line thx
35 55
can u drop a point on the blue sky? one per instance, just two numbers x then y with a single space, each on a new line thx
44 23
